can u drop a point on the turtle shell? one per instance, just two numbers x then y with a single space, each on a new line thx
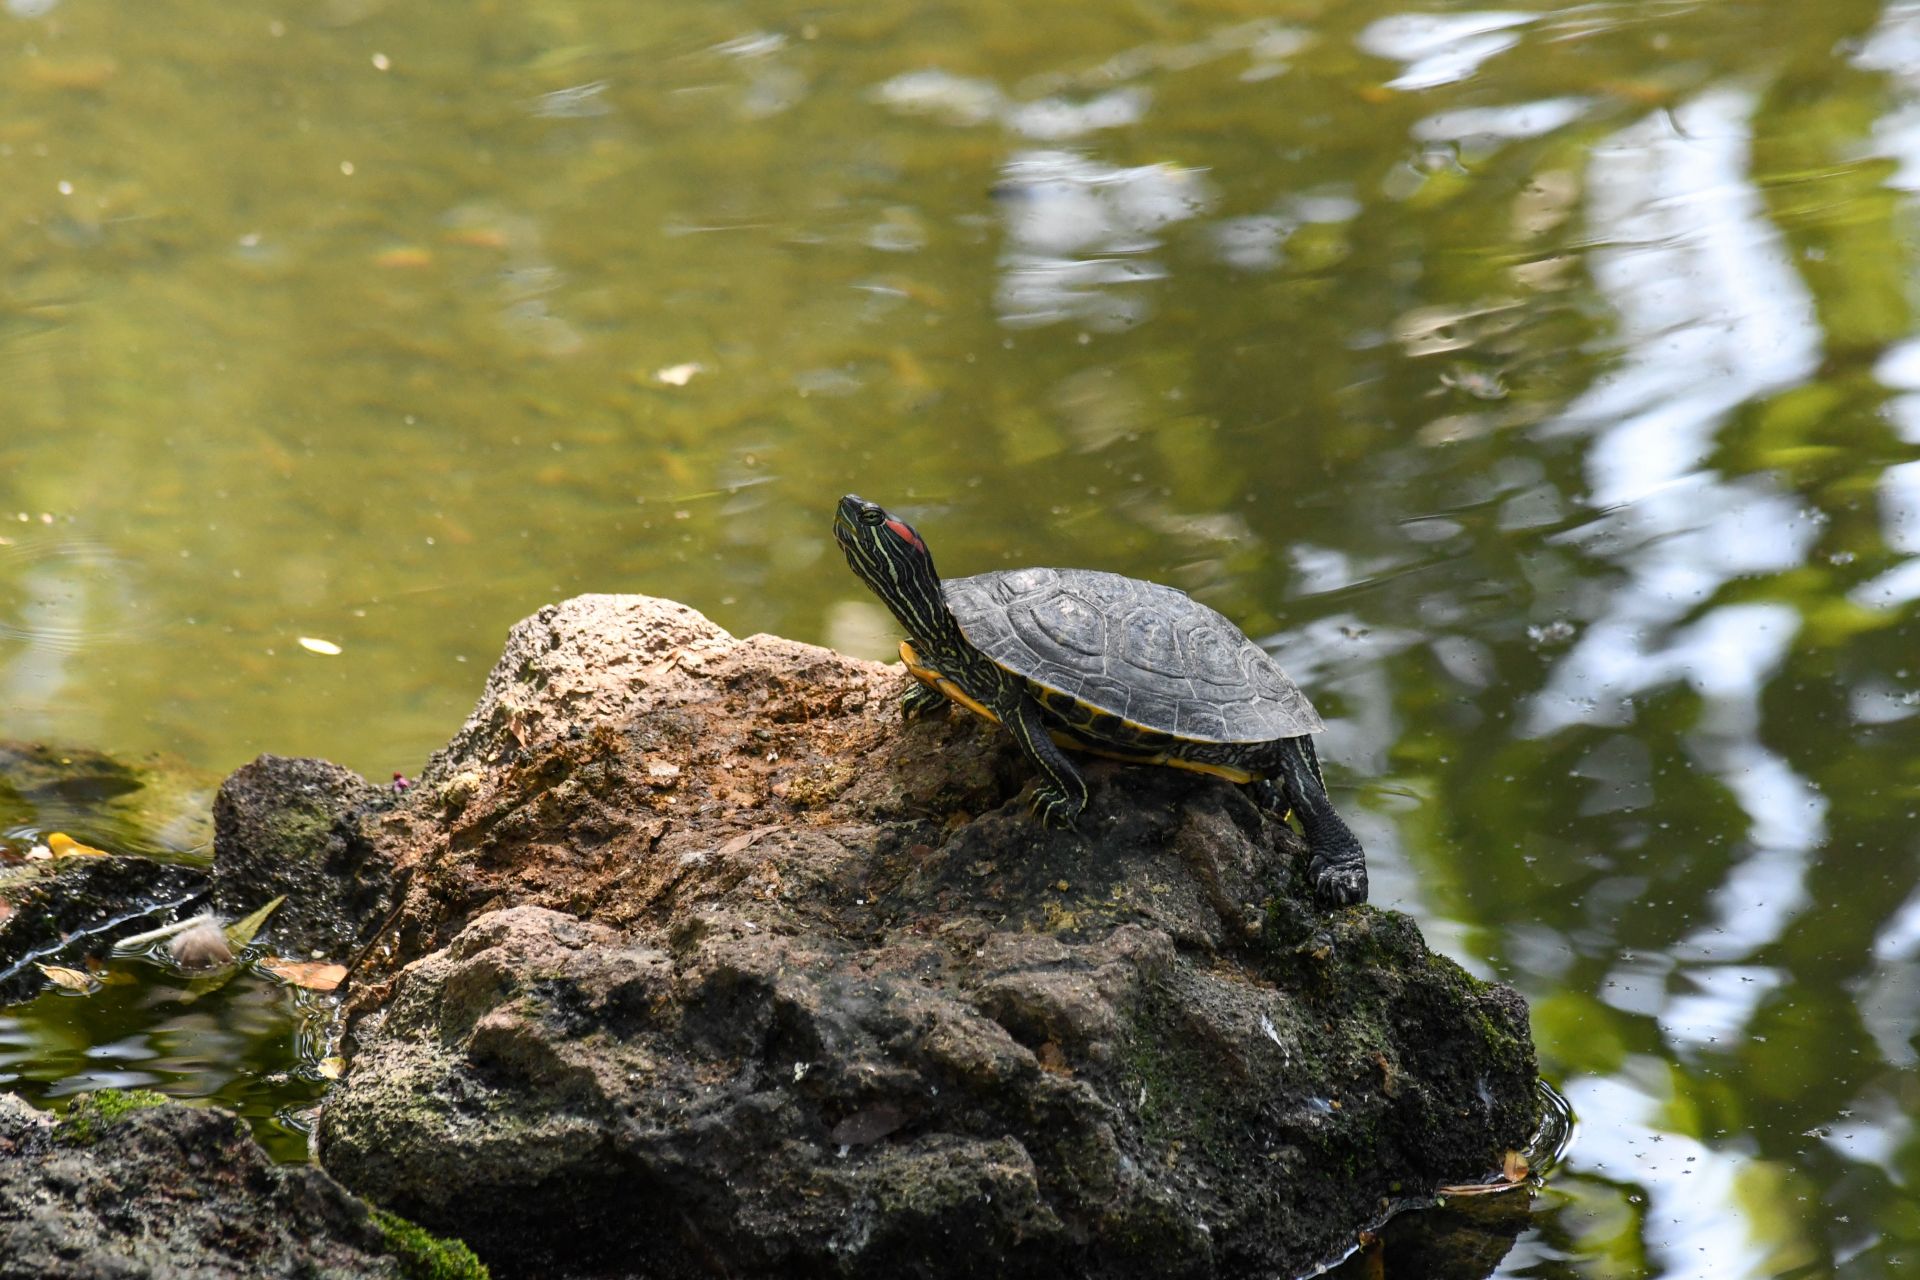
1151 655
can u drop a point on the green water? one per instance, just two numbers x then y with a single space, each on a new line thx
1544 386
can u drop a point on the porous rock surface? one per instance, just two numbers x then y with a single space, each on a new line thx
170 1192
707 964
68 910
297 828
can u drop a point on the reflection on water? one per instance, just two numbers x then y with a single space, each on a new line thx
1543 386
241 1038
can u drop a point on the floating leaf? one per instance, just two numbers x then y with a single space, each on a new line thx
62 845
241 932
679 375
1513 1173
71 979
314 975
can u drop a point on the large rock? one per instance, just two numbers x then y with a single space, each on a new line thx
709 965
169 1191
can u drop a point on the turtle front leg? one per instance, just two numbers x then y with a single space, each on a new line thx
1338 865
1062 792
921 699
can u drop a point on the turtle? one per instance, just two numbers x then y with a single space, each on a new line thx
1106 664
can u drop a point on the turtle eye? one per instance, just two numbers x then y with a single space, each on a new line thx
905 533
872 515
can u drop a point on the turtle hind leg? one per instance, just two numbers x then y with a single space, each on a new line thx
1062 792
921 699
1337 866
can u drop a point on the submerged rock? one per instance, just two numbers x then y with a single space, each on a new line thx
151 806
709 965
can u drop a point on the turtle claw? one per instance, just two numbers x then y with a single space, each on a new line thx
1338 884
1056 810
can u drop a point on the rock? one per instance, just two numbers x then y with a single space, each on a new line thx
708 965
64 911
169 1190
299 828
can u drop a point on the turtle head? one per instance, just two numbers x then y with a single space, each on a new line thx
885 553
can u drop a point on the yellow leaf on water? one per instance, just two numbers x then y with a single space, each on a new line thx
71 979
314 975
63 845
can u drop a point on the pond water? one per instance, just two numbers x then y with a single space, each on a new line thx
1543 385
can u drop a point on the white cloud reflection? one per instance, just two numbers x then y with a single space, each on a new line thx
1889 1000
1078 232
1711 315
1696 1225
1900 529
1710 310
1440 48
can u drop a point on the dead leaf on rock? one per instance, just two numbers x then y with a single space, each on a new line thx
62 845
331 1068
314 975
740 842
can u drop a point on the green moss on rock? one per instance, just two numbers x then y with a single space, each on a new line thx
424 1256
86 1114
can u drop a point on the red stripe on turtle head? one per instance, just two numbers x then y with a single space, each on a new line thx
905 533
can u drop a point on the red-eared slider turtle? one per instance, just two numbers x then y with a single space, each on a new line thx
1106 664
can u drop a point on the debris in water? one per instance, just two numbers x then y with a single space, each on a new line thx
201 945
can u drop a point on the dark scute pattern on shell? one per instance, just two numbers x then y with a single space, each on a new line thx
1136 649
